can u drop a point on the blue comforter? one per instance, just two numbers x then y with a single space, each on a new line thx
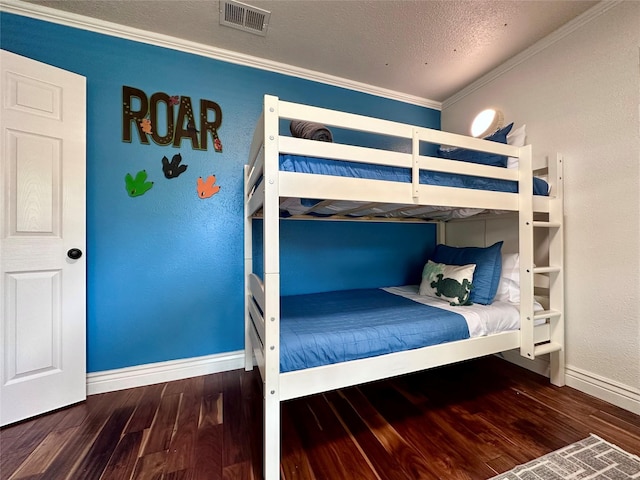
325 328
301 164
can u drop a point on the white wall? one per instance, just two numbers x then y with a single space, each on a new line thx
580 96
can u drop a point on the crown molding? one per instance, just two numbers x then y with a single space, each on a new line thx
537 47
82 22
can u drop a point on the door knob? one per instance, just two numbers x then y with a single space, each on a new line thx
74 253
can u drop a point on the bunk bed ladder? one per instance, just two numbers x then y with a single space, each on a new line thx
553 272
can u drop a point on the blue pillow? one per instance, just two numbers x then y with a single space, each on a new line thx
483 158
488 263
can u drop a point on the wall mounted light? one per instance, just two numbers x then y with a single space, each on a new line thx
487 122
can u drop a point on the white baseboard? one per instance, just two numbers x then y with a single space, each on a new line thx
148 374
610 391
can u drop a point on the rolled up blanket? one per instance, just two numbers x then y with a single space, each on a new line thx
310 131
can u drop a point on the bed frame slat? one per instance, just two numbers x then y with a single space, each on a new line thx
256 201
350 121
256 288
337 151
306 185
258 321
257 141
256 172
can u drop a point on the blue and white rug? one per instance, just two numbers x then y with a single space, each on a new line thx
590 459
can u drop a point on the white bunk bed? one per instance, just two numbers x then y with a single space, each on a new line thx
268 190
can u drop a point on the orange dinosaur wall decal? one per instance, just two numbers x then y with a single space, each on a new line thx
206 188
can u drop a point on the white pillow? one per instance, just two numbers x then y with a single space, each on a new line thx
509 286
452 283
516 138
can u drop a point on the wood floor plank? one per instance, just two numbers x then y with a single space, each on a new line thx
567 400
471 454
334 452
409 422
251 392
12 459
502 463
182 445
545 428
43 455
294 462
150 467
74 416
622 422
94 462
100 409
507 408
69 457
37 476
235 426
591 414
412 463
177 475
384 448
123 461
239 471
500 412
27 437
622 438
146 408
163 424
208 451
497 441
211 410
181 386
209 444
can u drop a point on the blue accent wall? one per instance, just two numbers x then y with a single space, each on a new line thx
323 255
165 269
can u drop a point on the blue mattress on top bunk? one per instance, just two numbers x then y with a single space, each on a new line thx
302 164
325 328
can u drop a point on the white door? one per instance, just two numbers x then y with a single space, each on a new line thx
42 219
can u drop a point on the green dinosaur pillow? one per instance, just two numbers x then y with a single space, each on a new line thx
448 282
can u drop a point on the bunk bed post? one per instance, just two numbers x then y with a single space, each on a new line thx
526 248
271 387
441 232
248 269
415 164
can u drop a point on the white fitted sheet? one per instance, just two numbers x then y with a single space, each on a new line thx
481 319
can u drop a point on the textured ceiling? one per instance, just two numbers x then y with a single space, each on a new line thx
427 49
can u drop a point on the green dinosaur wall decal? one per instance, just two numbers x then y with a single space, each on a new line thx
137 186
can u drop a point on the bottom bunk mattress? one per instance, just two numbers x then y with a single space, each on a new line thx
333 327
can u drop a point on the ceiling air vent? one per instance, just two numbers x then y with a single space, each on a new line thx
244 17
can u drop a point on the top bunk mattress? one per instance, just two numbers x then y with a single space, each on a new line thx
321 166
305 164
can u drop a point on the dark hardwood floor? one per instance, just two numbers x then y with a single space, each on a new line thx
465 421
